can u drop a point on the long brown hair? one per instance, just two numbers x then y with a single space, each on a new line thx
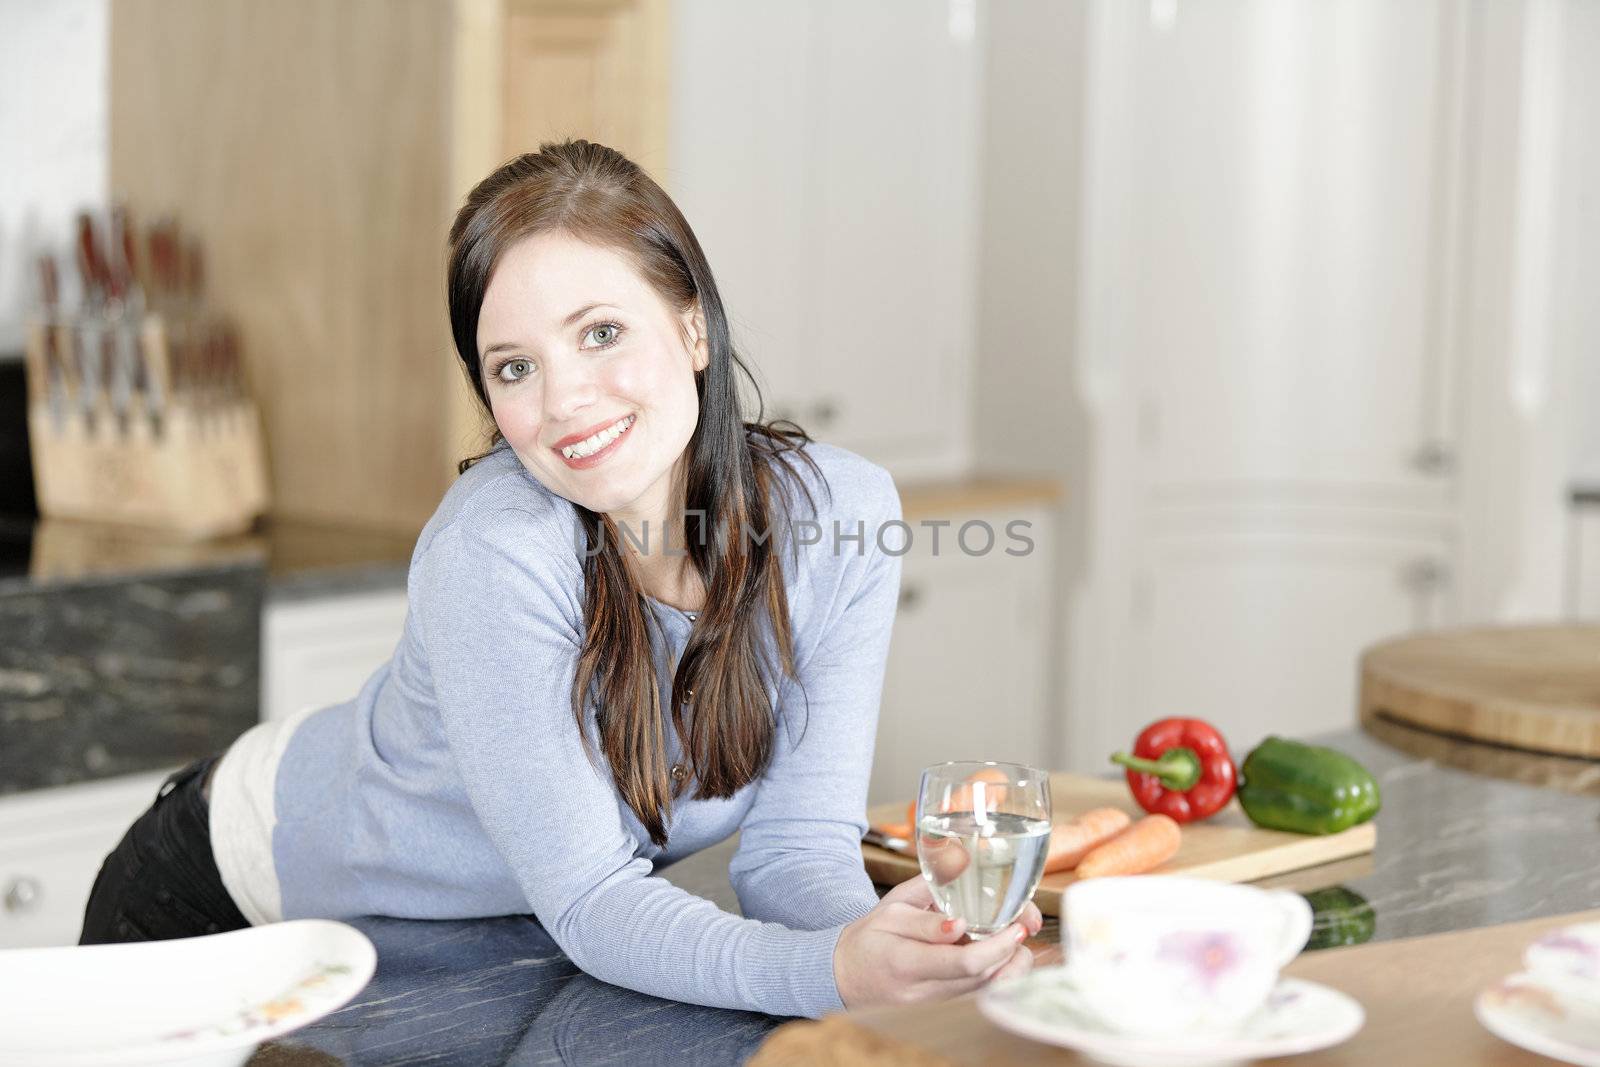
596 194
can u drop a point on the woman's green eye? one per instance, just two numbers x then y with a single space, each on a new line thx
514 369
603 334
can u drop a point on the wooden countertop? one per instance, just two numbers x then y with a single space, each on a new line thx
1417 993
919 500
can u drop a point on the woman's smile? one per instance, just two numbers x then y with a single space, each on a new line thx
594 446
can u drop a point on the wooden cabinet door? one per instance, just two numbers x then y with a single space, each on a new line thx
594 70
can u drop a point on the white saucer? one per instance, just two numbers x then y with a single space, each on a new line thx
192 1001
1530 1013
1299 1016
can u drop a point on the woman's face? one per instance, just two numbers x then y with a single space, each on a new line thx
590 374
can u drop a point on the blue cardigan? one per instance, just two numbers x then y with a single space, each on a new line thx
455 784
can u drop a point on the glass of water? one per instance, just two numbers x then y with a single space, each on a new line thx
983 830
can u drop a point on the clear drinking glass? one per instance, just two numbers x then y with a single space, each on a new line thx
983 830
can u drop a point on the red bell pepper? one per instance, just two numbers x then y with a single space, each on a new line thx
1180 768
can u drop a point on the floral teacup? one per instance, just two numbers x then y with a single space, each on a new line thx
1568 959
1158 955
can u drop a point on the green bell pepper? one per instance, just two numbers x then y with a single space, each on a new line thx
1306 789
1340 917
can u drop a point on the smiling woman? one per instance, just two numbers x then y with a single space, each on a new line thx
608 370
574 702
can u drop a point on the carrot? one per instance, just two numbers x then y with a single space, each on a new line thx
994 780
1145 845
963 798
901 829
1072 841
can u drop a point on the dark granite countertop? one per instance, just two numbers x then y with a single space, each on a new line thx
1456 850
125 650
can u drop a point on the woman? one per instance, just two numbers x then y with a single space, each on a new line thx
577 699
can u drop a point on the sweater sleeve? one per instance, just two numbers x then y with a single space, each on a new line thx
799 855
497 605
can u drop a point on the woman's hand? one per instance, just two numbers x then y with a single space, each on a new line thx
905 950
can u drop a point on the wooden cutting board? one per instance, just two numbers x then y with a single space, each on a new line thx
1227 847
1532 687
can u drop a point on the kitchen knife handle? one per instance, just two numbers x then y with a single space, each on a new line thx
49 284
90 265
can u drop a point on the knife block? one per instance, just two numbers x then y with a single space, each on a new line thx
191 462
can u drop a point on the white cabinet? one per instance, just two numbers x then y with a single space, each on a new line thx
1261 632
1271 359
52 843
826 155
1292 168
320 651
967 673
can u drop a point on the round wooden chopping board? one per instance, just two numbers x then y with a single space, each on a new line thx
1533 687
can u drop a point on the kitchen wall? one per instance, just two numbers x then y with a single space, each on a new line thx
1026 412
53 137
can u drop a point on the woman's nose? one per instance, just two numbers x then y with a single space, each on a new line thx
567 391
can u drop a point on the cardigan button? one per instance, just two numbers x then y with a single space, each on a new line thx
679 772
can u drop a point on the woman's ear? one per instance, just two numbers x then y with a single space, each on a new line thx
694 330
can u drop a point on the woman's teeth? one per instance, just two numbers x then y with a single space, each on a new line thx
589 446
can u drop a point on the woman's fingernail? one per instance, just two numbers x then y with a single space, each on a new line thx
1022 933
947 925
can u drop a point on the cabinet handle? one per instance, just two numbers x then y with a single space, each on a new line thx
1434 459
22 895
825 412
910 597
1426 575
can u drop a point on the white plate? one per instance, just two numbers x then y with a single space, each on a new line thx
1530 1013
195 1000
1299 1016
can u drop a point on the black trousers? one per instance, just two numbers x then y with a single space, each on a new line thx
161 881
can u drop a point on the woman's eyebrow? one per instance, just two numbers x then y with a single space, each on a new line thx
581 312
